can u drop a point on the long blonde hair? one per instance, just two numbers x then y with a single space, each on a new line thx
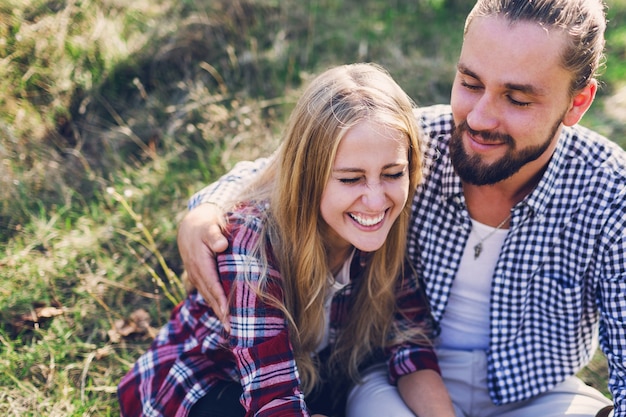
334 101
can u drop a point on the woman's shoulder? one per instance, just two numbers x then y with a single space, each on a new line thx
249 256
244 224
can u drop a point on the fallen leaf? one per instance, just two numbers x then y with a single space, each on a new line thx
137 324
39 315
103 352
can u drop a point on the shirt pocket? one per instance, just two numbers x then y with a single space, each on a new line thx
555 296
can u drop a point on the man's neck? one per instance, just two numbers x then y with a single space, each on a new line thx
490 204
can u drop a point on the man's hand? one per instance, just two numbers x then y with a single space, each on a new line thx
200 237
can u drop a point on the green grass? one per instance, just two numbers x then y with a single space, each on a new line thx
112 115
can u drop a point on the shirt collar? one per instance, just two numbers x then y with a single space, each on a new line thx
538 199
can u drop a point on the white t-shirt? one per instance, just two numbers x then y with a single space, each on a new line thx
340 280
465 323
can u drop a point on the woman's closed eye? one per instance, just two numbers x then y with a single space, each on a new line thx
350 180
395 175
389 176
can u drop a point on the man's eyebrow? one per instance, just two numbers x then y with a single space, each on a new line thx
522 88
528 89
464 70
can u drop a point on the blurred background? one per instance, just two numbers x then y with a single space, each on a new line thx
112 113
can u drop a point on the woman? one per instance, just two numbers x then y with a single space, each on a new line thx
315 273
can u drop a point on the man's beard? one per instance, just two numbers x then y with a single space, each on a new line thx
471 169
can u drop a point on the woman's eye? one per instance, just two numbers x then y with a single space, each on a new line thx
349 180
395 176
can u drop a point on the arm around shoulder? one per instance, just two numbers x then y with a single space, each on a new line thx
199 239
228 185
200 234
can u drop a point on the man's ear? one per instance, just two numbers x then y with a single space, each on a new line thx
580 103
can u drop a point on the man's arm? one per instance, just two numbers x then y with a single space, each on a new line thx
612 329
200 234
228 185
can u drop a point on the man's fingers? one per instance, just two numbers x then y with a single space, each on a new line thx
199 238
215 298
220 304
202 273
215 239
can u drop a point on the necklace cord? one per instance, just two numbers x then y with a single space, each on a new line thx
478 248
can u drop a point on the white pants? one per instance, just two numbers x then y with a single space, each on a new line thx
465 377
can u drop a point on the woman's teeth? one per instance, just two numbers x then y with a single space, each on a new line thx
367 221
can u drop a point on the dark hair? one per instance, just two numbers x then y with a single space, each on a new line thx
583 21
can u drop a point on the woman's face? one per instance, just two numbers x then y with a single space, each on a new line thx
368 186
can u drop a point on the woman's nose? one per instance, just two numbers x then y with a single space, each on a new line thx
374 196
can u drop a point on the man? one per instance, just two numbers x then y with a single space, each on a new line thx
518 230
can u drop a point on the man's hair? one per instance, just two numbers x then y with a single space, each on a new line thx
583 21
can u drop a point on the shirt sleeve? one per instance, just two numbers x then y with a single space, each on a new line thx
413 312
227 186
612 300
259 337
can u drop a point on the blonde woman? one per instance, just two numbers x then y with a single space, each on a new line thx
315 271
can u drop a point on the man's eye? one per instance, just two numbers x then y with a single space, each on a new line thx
518 103
470 86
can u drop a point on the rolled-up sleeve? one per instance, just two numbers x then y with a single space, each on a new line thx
413 313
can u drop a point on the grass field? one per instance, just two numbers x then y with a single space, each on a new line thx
113 113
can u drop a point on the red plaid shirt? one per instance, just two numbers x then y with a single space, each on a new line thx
192 352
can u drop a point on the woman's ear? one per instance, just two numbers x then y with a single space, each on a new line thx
580 103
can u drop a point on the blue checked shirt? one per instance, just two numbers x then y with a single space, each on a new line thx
560 279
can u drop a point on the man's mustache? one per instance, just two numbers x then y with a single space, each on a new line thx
486 136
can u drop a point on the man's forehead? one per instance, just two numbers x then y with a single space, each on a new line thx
517 56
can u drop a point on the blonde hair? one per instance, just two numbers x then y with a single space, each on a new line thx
334 101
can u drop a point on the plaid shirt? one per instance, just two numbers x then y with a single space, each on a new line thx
192 352
561 273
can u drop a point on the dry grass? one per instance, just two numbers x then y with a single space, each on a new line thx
112 113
